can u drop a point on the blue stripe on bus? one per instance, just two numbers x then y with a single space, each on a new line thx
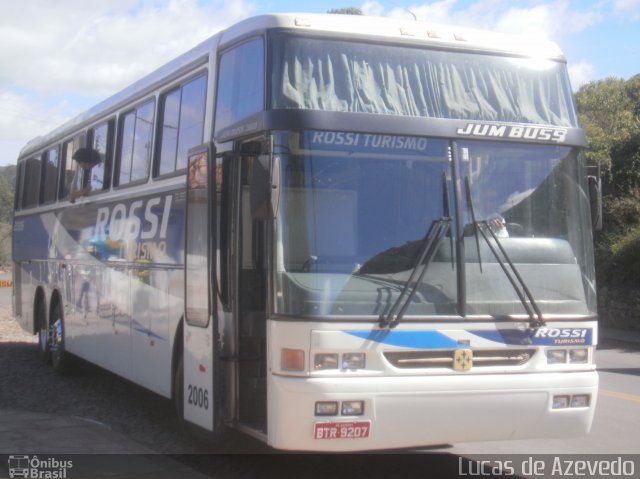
506 337
407 339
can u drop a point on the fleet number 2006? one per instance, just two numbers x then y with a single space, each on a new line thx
198 396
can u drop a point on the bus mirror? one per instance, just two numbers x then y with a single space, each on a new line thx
595 199
265 187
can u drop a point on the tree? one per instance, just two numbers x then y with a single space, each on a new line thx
633 91
608 112
7 182
625 166
5 243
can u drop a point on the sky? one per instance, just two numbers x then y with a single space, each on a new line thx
59 58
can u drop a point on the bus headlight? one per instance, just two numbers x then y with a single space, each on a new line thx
325 361
556 356
350 361
353 361
578 356
560 402
580 400
567 356
565 401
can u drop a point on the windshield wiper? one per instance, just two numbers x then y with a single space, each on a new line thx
526 298
474 222
430 242
447 214
428 247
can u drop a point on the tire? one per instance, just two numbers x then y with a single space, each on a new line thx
44 334
60 358
178 391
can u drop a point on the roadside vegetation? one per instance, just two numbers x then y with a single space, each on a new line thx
609 111
7 182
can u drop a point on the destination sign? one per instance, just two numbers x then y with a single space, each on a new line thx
366 142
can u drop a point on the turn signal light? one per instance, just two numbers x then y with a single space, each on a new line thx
292 359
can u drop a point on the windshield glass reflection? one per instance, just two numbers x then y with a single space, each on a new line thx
353 212
532 198
355 209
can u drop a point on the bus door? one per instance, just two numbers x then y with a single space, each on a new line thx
198 334
251 294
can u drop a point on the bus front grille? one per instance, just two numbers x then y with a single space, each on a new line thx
444 359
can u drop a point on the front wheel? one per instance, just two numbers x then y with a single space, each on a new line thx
178 391
60 358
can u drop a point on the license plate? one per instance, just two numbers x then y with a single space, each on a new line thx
341 430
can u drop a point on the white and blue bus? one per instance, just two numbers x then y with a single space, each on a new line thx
333 233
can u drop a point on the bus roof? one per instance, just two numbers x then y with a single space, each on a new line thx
386 29
429 34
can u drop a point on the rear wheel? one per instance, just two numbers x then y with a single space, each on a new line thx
44 335
60 358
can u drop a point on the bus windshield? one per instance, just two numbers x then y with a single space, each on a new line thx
355 208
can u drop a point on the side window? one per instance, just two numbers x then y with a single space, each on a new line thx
182 124
240 83
67 167
136 140
31 184
50 162
101 135
17 202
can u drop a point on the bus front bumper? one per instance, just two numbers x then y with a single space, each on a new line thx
414 411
